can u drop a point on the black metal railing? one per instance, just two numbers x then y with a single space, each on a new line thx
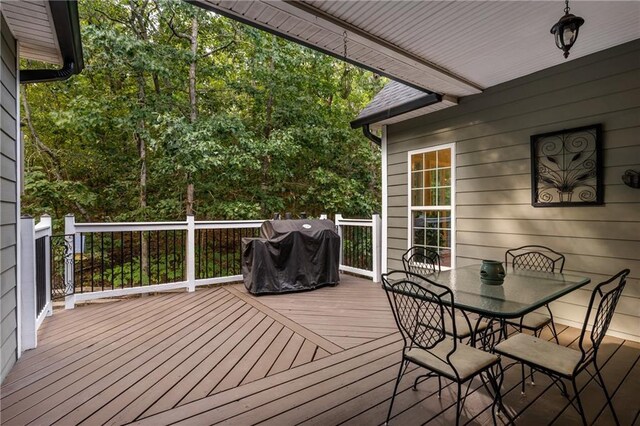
218 252
357 247
62 249
41 274
125 259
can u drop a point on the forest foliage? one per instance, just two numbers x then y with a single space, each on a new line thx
179 110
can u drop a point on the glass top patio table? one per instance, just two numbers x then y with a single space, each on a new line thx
523 291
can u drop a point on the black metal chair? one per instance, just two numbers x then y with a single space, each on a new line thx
560 362
535 258
420 312
421 260
424 262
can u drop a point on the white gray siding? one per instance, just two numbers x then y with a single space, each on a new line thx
493 201
8 201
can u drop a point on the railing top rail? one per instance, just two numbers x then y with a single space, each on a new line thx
42 226
129 226
42 232
160 226
217 224
355 222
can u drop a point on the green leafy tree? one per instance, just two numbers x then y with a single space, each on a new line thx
180 110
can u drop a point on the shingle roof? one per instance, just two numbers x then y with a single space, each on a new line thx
394 99
392 94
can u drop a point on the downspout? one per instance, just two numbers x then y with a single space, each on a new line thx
373 138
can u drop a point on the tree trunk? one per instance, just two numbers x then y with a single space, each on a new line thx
190 193
139 27
193 103
268 127
192 69
142 156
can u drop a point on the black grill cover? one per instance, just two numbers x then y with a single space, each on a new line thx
291 255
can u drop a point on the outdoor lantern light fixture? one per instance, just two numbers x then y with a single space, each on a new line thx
566 30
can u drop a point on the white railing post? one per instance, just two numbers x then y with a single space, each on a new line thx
339 226
323 216
69 264
46 222
191 253
376 246
29 337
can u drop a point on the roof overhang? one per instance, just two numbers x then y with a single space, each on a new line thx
47 31
397 110
313 27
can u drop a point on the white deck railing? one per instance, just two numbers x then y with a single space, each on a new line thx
360 245
190 275
100 260
35 284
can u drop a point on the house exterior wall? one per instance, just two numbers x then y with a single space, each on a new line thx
8 201
491 132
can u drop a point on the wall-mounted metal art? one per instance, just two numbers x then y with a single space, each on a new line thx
631 178
566 168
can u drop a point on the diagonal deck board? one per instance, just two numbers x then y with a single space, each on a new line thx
318 340
347 315
324 357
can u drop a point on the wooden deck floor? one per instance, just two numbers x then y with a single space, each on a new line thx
222 356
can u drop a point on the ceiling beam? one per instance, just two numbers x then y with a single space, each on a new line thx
330 23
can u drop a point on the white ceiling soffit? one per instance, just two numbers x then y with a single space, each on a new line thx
455 48
31 23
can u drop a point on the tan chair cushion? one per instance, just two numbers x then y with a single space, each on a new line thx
531 321
532 350
466 359
462 328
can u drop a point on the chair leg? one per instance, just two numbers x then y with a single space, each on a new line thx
522 391
606 393
459 395
497 397
533 382
403 365
577 398
553 325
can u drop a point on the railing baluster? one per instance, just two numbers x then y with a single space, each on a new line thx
175 264
131 258
102 260
140 236
226 249
198 251
81 262
149 267
182 252
92 260
206 253
158 257
218 238
121 259
111 263
235 254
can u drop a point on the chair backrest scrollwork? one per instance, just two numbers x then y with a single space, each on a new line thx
419 307
535 258
421 261
606 295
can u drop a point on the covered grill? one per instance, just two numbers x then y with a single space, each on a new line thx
291 255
